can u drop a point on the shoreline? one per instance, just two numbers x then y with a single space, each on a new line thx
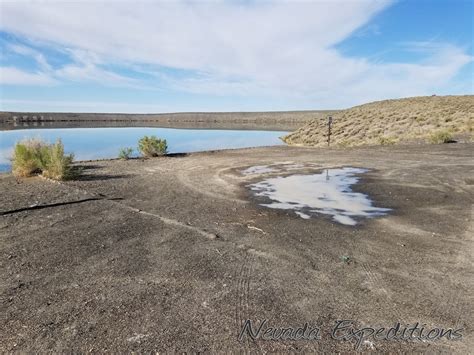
406 145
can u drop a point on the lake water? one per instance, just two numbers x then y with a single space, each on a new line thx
99 143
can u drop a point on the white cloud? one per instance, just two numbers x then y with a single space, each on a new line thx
81 106
27 51
14 76
278 49
85 67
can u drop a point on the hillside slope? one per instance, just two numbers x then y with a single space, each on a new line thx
391 121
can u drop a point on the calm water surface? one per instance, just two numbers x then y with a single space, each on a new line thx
98 143
327 193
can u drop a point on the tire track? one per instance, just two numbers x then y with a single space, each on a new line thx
243 295
204 187
375 283
451 306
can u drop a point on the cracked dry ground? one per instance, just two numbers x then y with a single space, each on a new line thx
175 254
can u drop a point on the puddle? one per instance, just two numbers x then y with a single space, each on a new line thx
327 193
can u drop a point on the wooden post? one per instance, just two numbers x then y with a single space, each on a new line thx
329 129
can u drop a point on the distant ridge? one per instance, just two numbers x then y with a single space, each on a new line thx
282 120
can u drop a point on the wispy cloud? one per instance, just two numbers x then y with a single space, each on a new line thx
28 51
84 106
275 49
15 76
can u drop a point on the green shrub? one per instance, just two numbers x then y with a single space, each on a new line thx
387 140
58 165
152 146
28 157
125 153
442 136
32 156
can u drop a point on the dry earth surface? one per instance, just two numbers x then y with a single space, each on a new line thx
392 121
175 254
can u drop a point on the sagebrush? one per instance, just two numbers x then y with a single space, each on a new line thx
28 157
58 165
33 157
125 153
151 146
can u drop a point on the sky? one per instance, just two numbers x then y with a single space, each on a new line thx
178 56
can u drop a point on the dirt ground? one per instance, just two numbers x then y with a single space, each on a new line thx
175 254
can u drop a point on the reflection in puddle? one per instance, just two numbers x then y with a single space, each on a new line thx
326 193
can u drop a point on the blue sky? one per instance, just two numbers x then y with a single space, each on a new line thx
145 56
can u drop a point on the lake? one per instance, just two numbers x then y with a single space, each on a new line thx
100 143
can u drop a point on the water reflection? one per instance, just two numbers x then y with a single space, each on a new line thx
328 193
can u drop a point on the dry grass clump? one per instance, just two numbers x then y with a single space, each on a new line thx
387 140
28 157
33 157
58 166
442 136
390 122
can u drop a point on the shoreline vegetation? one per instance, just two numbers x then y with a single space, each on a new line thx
32 157
35 157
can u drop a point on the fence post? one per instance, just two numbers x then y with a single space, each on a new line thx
329 129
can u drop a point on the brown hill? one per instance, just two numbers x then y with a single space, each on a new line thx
392 121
